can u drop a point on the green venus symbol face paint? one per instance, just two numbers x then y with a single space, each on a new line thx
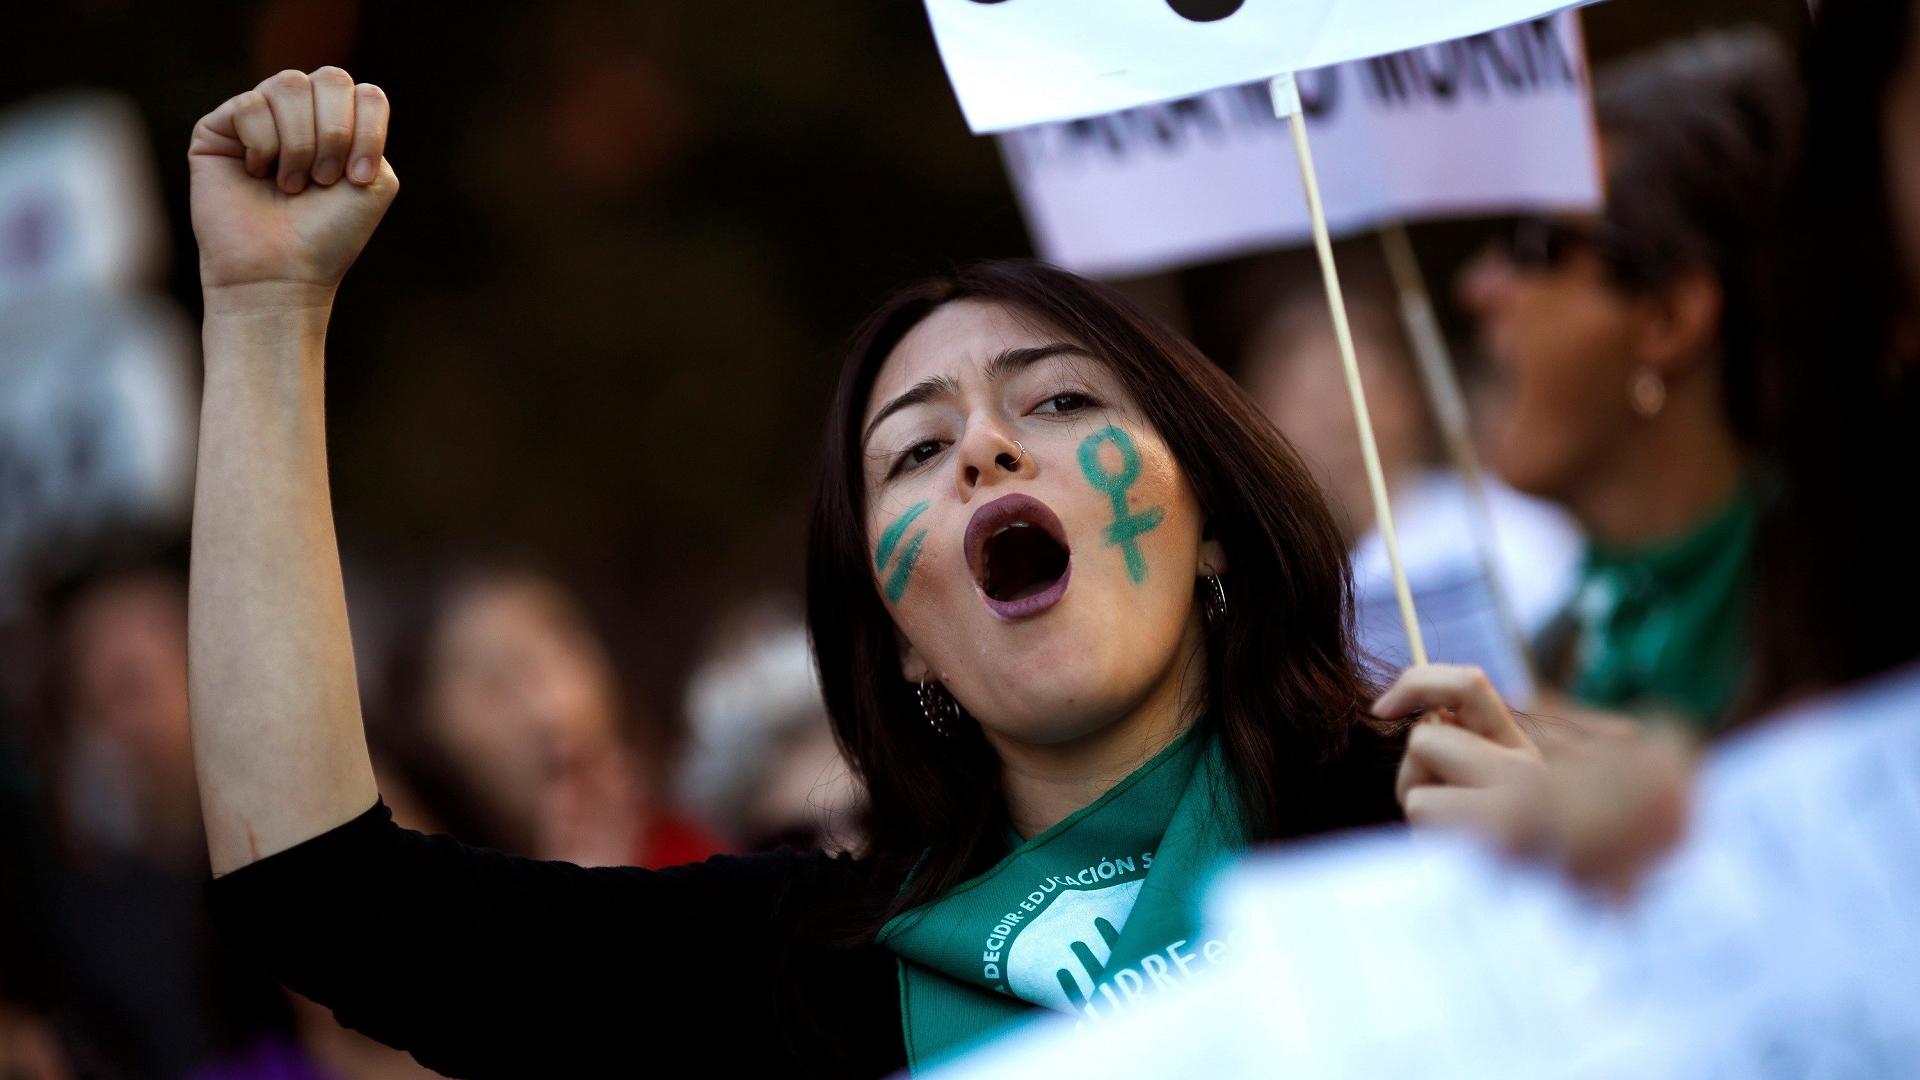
1127 527
896 583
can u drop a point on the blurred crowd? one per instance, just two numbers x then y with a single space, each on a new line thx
1601 354
497 715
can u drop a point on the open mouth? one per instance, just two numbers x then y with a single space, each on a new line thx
1019 556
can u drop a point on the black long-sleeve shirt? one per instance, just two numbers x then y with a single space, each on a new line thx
483 964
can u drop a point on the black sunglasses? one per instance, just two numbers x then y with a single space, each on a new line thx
1542 244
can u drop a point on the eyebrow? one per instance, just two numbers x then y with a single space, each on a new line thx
1004 363
1010 361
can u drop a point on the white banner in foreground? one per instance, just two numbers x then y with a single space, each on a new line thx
1019 62
1496 122
1781 940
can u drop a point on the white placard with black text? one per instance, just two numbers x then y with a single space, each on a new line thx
1498 122
1020 62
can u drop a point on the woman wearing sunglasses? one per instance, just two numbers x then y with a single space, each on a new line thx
1616 337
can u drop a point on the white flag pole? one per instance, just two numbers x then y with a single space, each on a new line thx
1286 102
1449 406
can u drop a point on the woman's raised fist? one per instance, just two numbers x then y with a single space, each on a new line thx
289 180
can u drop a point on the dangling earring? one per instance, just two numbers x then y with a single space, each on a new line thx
942 712
1647 392
1213 599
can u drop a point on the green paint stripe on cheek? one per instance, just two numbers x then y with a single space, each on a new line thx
891 538
897 581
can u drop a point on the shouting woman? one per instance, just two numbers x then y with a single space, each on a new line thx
1080 619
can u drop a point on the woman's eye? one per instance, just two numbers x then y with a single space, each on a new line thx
915 455
1068 402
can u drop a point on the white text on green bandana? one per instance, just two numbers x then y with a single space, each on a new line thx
1087 917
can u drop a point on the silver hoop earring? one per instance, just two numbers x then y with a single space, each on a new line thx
1214 600
941 711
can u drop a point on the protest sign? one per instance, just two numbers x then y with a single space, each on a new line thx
98 412
1780 940
1497 122
79 204
1481 599
98 402
1020 62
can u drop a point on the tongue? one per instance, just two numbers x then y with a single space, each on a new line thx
1023 561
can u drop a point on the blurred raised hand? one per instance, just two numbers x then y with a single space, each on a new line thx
289 180
1604 801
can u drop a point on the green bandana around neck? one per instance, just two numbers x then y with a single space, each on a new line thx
1096 912
1663 625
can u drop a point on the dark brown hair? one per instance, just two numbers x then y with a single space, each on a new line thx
1700 135
1838 400
1283 687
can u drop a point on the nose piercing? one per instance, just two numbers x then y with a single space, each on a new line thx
1010 464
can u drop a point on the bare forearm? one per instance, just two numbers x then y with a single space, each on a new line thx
277 737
